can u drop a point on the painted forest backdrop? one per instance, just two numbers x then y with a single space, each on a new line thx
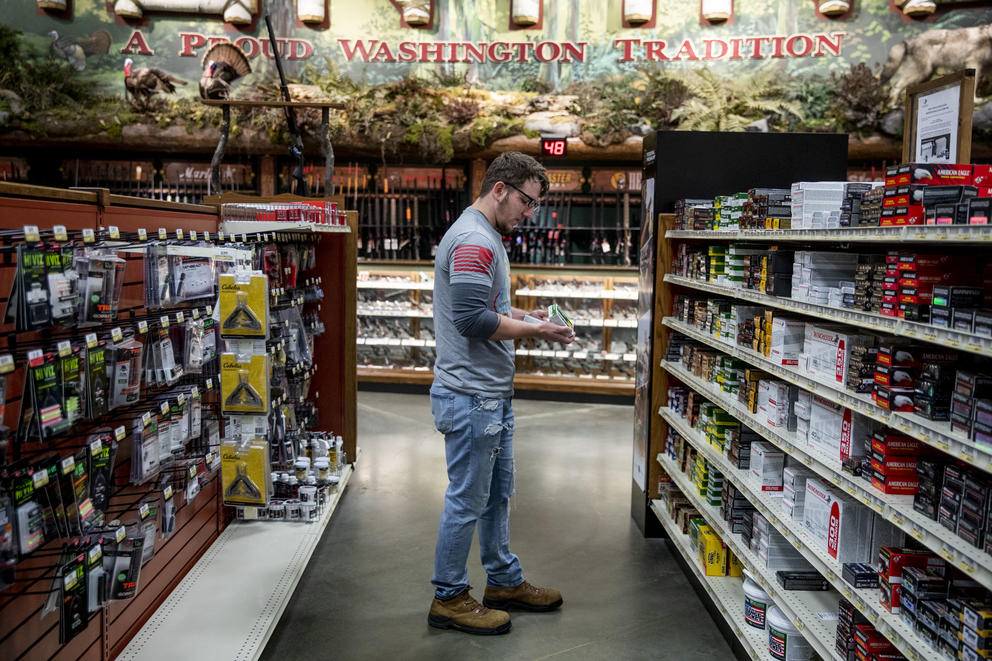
470 76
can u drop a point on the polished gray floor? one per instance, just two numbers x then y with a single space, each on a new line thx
366 592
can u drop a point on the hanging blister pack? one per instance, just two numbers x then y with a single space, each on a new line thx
66 473
169 371
166 449
243 305
97 381
62 284
49 497
101 277
42 416
246 476
148 512
126 377
8 543
122 562
74 611
34 310
158 282
195 349
167 524
70 376
103 454
144 448
28 521
192 278
96 579
89 516
244 383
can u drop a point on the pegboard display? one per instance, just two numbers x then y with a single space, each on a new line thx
151 364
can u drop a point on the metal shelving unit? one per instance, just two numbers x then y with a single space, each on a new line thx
893 326
803 608
967 234
865 599
725 591
937 434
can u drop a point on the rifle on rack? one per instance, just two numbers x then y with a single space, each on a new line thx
295 139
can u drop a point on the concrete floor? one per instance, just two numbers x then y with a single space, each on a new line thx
367 590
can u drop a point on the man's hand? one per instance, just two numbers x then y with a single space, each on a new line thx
555 333
540 313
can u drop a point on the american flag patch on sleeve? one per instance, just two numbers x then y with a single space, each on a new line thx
472 258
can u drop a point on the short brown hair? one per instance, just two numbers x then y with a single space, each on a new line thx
514 168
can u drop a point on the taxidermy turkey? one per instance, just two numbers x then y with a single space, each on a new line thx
144 82
223 63
75 49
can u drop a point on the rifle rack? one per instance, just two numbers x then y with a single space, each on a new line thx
225 131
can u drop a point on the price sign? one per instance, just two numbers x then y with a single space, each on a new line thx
68 464
120 433
196 313
116 334
180 317
179 234
91 340
6 363
36 357
64 348
143 511
164 321
88 235
220 237
96 446
192 235
164 408
115 232
162 234
146 417
32 234
95 553
142 327
206 236
192 471
210 384
244 238
60 232
181 398
121 534
40 479
167 493
195 392
142 234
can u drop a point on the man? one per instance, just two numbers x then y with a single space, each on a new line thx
471 399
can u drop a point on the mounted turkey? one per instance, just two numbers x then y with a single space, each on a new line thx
75 49
144 82
223 63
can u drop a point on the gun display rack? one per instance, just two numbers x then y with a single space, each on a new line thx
24 633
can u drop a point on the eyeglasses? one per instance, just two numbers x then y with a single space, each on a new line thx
531 202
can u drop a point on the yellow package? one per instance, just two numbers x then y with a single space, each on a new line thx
734 567
712 553
244 305
244 385
245 473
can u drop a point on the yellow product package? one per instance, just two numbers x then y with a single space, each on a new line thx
712 553
244 384
245 473
244 305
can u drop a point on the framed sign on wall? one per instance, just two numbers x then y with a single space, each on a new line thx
938 120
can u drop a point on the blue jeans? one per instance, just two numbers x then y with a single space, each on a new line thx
478 443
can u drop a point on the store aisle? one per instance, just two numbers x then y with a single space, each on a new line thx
367 591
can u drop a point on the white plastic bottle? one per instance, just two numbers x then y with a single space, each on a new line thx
784 641
756 603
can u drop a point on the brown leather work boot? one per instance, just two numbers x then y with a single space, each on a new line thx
466 614
524 597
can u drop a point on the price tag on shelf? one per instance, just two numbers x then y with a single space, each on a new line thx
164 321
180 317
89 236
96 446
68 464
39 478
116 334
847 593
196 314
120 433
64 348
220 236
195 391
192 235
946 447
562 354
872 617
210 384
91 340
967 455
897 519
143 511
142 234
167 493
946 554
164 408
181 398
581 355
206 236
918 533
142 327
146 418
209 459
192 471
121 534
60 232
162 234
114 232
32 234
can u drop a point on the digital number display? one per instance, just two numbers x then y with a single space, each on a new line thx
554 147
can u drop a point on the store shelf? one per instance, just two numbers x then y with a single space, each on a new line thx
564 293
898 509
393 284
578 355
393 342
411 314
726 592
262 226
967 234
937 434
241 585
865 600
968 342
580 384
813 612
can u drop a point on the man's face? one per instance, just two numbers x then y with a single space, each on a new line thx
513 205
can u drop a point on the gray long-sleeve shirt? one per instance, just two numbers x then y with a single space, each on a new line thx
470 269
